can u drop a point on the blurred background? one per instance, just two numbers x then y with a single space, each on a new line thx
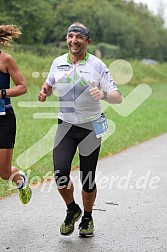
135 31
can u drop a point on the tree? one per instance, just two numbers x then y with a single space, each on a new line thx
32 16
124 24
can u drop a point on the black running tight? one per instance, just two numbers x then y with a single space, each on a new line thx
68 138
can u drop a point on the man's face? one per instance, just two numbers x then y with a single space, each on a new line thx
76 43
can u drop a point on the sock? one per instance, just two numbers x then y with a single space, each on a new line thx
87 215
23 182
73 207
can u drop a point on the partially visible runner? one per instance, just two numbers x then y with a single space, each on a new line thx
82 80
9 68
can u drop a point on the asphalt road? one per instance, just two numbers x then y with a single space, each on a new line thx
130 213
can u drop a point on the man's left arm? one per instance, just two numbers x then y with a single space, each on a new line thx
112 97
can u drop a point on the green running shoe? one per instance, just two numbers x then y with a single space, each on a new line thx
86 227
67 226
25 194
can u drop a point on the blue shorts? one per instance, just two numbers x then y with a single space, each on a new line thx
7 129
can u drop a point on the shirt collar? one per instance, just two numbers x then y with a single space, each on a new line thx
81 61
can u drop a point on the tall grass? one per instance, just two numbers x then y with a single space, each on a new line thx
147 121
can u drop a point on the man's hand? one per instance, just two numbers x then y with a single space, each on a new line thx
42 94
96 93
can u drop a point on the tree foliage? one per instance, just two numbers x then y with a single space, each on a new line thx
123 24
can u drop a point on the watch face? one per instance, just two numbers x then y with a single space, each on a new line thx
3 93
105 95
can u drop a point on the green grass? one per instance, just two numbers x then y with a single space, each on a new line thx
147 121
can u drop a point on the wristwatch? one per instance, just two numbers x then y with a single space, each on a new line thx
105 96
3 93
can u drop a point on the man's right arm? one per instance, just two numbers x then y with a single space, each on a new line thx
46 90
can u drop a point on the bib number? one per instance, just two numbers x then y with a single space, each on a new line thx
100 126
2 107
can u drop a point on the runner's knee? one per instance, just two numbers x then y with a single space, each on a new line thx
89 187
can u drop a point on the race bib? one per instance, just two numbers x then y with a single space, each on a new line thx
2 107
100 126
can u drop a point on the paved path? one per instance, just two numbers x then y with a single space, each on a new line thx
130 213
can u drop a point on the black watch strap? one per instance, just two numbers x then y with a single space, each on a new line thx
105 96
3 93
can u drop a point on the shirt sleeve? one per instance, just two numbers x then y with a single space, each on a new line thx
107 83
50 80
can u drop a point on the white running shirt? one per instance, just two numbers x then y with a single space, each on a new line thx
73 83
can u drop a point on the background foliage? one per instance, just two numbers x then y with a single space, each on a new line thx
131 30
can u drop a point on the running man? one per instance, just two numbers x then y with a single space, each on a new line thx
82 80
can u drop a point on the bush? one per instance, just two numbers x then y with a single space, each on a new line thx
108 51
101 50
40 50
